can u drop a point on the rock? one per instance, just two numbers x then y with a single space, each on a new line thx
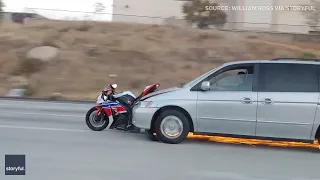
16 93
112 75
43 53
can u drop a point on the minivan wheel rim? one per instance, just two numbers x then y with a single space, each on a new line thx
95 121
171 127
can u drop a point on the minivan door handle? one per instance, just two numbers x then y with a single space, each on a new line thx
246 101
266 101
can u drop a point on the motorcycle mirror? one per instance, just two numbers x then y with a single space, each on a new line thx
114 86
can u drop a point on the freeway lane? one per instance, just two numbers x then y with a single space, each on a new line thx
58 145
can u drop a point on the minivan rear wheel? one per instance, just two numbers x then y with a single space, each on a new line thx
172 127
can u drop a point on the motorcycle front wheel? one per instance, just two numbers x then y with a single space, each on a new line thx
94 122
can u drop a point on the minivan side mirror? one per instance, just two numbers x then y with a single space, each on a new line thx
205 86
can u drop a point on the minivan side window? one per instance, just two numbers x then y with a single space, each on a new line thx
234 79
286 77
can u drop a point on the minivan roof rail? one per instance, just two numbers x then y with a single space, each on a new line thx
296 59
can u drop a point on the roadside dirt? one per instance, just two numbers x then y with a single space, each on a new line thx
137 54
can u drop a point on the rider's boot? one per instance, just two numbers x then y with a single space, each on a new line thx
131 127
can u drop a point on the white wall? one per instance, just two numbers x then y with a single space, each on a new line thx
262 18
147 8
77 6
293 18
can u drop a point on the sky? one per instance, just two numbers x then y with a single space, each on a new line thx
70 5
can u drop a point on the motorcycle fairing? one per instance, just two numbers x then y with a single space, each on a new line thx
105 106
99 99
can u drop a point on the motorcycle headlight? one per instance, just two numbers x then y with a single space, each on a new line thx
145 104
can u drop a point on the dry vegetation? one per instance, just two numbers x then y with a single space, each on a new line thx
138 54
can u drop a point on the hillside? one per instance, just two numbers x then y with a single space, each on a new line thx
138 54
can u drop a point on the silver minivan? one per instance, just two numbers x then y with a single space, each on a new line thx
270 99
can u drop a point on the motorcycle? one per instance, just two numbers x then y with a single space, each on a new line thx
115 109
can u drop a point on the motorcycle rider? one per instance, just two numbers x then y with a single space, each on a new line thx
129 125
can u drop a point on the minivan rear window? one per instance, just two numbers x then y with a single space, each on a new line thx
287 77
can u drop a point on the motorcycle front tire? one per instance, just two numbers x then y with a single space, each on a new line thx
93 127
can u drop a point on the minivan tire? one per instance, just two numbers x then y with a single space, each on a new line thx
185 129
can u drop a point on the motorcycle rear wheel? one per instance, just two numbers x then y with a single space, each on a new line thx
96 123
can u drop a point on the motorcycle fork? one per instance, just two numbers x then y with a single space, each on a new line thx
99 112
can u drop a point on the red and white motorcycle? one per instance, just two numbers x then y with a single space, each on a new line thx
116 107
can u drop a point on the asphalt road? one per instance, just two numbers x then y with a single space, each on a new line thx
58 145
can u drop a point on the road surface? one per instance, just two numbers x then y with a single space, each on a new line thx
59 146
